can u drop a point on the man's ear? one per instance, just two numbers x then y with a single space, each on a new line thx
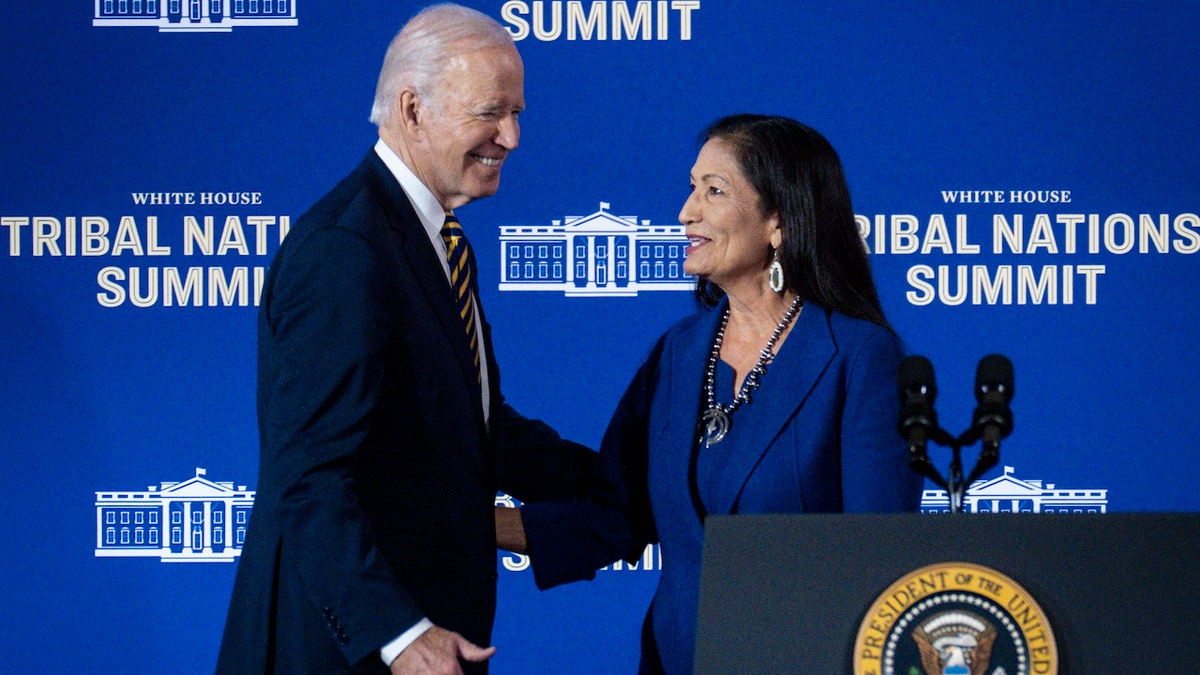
409 111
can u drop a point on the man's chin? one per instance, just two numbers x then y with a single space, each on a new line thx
485 189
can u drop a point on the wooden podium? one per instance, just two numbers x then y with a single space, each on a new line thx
789 593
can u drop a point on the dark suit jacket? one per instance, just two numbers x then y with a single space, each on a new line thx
377 474
819 436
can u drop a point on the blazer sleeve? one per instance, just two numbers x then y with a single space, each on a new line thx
875 472
570 539
535 464
327 324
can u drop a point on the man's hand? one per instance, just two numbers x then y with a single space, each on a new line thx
438 651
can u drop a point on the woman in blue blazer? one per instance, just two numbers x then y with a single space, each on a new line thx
778 397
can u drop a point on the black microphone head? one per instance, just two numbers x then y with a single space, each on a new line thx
994 375
918 421
916 377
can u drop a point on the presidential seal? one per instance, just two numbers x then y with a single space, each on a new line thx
955 619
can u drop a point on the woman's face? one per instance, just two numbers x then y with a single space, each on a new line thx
730 238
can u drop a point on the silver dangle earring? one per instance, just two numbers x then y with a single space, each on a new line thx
775 274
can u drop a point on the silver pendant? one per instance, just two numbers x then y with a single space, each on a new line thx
716 425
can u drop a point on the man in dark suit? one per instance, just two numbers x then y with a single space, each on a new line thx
384 436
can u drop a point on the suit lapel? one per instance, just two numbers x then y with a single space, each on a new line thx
426 265
789 380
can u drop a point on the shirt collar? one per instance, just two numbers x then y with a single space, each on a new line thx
431 213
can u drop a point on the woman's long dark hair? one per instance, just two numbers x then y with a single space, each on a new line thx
798 176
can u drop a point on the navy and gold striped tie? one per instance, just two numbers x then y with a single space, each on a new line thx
462 280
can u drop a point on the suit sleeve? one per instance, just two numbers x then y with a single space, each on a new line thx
875 472
535 463
570 539
328 326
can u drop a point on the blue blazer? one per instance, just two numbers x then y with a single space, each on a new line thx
377 473
819 436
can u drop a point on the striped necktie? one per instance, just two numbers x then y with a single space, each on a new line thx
462 281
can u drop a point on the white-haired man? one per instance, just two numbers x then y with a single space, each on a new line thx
383 433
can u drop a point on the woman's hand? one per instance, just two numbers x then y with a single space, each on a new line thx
510 530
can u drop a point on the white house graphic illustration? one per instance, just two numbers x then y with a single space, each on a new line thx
195 15
596 255
1009 494
196 520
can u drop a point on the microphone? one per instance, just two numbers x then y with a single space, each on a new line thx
994 388
993 391
918 420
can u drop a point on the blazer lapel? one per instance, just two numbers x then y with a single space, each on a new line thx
791 377
425 262
673 440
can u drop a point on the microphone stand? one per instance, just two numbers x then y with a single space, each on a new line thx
957 489
955 486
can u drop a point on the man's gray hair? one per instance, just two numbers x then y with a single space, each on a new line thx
420 53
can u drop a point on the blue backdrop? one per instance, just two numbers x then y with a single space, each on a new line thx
1025 175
